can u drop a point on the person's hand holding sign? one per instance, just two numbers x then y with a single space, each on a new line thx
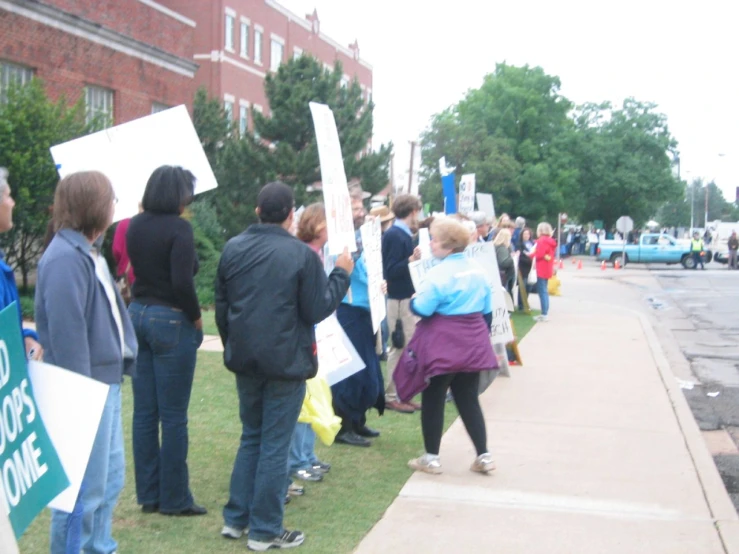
416 255
345 262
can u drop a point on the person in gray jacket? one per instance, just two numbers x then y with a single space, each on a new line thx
84 327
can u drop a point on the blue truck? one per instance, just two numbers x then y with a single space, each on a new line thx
653 248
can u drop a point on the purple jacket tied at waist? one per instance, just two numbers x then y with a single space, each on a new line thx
443 344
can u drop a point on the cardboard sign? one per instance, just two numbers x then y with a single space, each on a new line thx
484 254
30 471
372 247
485 204
339 220
337 357
424 243
129 153
467 193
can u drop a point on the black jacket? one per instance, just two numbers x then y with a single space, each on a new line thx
271 290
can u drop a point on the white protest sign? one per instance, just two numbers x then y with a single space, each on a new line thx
371 233
339 220
7 537
68 400
337 357
467 193
129 153
484 254
485 204
424 243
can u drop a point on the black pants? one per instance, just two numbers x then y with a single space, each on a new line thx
464 389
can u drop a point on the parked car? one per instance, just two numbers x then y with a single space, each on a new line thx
653 248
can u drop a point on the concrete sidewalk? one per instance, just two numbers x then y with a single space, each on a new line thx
596 448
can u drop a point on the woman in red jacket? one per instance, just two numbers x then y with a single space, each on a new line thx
544 251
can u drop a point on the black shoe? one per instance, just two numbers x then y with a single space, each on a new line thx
306 475
365 431
150 508
352 439
193 510
322 467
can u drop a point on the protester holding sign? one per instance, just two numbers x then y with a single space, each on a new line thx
271 290
166 315
544 252
8 290
451 345
84 327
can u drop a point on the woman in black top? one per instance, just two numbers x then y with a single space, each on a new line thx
525 260
166 316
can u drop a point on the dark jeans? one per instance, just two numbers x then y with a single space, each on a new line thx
698 259
165 367
465 393
269 410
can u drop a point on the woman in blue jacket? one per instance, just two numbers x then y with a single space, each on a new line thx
84 327
451 345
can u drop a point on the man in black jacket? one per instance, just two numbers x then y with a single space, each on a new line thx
271 290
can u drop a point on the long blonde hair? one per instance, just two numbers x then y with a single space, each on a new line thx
503 237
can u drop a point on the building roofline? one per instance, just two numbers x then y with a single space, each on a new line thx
292 16
94 32
170 12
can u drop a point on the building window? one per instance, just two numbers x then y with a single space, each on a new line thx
276 54
228 107
257 108
11 73
244 40
229 32
297 52
156 107
243 119
344 82
99 104
257 45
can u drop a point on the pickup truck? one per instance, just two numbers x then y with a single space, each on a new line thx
653 248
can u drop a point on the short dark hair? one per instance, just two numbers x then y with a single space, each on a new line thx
275 201
169 189
83 202
405 205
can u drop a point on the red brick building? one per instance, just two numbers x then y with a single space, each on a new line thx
237 42
126 58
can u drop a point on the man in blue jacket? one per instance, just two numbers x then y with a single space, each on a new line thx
397 253
8 290
271 290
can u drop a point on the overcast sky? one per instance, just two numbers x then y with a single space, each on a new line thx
427 54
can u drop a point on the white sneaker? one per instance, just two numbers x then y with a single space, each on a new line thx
229 532
542 318
288 539
426 464
483 463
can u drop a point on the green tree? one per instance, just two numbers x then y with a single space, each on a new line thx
515 135
211 124
624 161
29 125
288 134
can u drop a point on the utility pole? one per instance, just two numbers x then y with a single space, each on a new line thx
705 224
410 171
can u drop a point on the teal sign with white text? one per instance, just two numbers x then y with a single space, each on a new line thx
31 474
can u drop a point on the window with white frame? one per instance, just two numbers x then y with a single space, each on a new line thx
13 74
276 53
243 118
259 109
345 81
99 106
229 32
297 52
257 45
228 107
244 40
157 107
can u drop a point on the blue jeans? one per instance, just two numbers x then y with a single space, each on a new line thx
165 367
90 524
543 292
269 410
302 448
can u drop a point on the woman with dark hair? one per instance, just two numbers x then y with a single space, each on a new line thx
166 315
84 327
525 261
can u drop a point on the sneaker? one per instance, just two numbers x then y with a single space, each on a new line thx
307 475
295 490
288 539
423 463
483 463
229 532
321 467
541 318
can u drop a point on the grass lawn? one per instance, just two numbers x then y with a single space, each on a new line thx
335 514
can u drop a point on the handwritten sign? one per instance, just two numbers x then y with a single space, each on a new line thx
467 193
129 153
339 220
337 357
372 245
482 253
485 204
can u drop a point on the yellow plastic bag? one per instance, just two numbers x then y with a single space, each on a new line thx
318 410
553 286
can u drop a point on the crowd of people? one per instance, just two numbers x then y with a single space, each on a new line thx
274 284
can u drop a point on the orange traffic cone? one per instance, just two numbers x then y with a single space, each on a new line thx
603 265
561 264
579 264
574 261
616 265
